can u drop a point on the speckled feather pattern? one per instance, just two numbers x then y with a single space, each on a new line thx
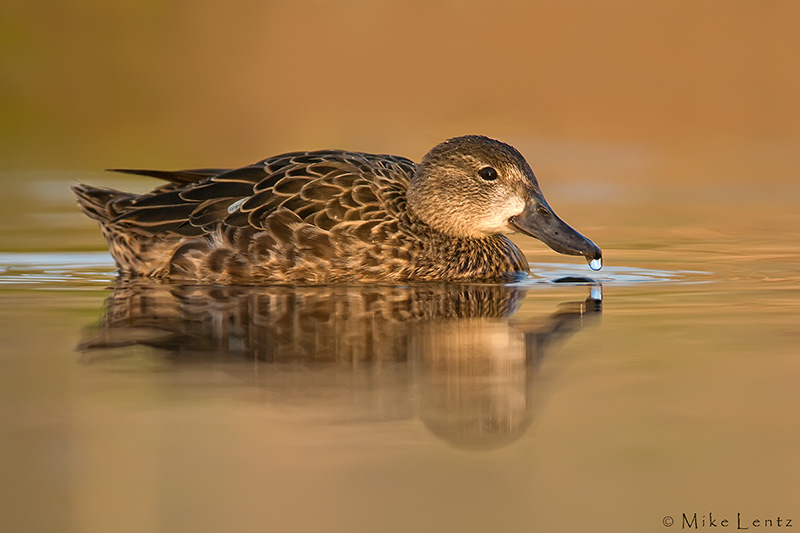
334 216
318 217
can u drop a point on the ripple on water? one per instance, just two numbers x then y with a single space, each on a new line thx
93 267
575 273
55 268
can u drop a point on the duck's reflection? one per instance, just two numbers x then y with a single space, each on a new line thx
452 355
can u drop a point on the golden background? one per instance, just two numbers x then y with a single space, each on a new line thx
665 130
678 90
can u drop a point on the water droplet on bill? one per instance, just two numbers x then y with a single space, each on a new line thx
596 264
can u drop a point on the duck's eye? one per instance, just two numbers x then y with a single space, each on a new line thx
488 173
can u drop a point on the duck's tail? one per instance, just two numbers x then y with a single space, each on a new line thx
131 253
99 203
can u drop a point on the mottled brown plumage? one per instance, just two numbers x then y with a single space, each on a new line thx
336 216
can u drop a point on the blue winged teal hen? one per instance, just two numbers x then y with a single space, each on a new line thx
331 215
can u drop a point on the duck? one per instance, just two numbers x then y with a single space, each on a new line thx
332 216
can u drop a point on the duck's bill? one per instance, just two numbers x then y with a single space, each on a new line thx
539 221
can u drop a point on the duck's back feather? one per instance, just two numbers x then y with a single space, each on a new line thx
180 177
304 215
323 189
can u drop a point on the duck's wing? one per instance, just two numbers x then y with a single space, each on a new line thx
325 189
179 177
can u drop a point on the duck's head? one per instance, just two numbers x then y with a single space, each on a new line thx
473 186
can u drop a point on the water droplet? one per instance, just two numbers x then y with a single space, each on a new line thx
596 264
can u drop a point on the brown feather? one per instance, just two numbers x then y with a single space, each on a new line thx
303 216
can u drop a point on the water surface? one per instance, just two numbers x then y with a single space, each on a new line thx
664 384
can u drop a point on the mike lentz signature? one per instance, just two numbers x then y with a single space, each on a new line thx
742 522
